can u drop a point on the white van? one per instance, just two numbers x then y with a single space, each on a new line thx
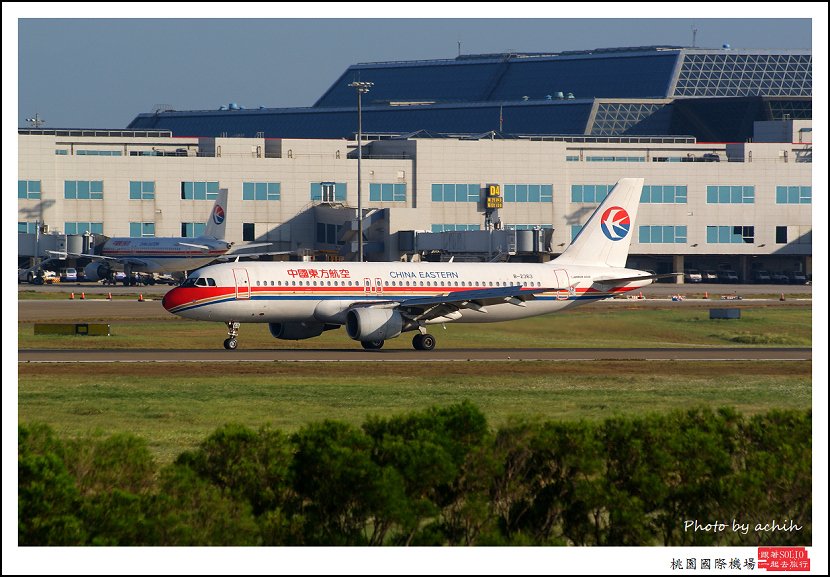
69 275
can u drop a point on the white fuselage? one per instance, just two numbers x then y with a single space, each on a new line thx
279 292
162 255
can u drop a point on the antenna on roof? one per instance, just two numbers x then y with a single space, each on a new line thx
459 47
694 35
36 121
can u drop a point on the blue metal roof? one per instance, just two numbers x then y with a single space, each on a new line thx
646 74
642 91
543 117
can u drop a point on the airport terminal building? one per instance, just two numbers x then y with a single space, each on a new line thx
490 171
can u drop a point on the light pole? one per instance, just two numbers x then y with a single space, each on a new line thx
361 88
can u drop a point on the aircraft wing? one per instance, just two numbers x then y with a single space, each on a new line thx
112 259
426 308
83 255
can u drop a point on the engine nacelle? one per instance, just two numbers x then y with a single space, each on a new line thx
96 271
298 331
373 324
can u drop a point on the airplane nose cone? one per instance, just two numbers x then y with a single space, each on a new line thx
170 300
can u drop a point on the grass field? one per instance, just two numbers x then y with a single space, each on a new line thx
174 406
620 326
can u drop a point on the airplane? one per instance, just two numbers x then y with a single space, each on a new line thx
381 301
163 254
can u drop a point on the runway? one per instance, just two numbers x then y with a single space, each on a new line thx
398 355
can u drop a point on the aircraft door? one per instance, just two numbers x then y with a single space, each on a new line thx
378 286
243 283
563 285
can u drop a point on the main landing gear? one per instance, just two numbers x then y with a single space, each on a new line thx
233 331
423 342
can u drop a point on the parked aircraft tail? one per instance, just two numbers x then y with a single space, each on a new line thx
606 237
215 225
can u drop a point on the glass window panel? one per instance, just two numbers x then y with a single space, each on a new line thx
400 193
34 185
749 194
135 229
449 193
793 195
213 187
724 194
386 193
437 227
437 193
711 194
588 193
83 189
247 191
680 234
806 195
668 234
645 234
135 190
533 194
96 186
656 234
711 234
521 193
374 192
340 192
546 193
70 227
70 189
781 194
680 194
576 193
509 193
736 195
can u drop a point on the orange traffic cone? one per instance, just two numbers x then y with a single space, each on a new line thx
109 296
83 296
782 297
72 296
140 297
706 295
641 295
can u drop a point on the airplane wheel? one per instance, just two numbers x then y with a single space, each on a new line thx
230 344
427 342
372 345
418 342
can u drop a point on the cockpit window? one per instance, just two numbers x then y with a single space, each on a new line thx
198 281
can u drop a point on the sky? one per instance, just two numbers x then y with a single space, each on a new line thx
98 66
101 73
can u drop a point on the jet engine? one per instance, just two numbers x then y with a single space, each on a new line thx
96 271
373 324
298 331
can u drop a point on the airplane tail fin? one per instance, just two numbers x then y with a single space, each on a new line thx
606 237
215 225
